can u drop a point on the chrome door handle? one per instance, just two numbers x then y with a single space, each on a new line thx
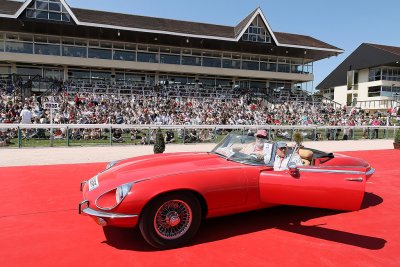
359 179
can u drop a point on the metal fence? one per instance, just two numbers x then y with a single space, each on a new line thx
45 135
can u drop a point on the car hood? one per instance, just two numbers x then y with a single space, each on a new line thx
160 165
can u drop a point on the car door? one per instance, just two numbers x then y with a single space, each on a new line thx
338 188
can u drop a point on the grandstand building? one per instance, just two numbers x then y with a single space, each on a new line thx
103 52
369 78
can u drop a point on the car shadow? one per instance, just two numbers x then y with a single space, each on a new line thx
286 218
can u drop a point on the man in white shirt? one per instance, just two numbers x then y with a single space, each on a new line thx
282 158
26 115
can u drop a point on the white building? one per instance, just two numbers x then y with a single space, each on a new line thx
369 78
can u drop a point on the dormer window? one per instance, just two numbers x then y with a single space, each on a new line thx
48 10
257 32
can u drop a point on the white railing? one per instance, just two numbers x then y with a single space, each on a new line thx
311 132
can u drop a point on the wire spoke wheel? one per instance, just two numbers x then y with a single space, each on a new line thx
173 219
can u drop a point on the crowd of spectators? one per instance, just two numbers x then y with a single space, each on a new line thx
89 108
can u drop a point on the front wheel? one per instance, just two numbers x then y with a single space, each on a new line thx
170 220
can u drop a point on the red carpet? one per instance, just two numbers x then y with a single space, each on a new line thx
40 226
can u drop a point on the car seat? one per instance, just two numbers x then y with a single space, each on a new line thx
306 156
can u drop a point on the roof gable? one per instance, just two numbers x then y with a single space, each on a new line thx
242 25
246 23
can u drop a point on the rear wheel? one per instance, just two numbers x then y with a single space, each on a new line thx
170 220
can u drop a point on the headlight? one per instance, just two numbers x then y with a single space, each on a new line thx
112 163
114 197
122 192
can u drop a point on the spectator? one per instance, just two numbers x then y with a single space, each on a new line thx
169 136
117 136
26 115
375 122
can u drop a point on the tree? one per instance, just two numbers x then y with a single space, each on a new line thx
159 143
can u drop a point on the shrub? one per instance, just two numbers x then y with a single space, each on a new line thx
397 136
159 143
298 138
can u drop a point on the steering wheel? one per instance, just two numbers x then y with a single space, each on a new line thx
255 156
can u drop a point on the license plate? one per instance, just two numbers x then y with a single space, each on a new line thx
93 183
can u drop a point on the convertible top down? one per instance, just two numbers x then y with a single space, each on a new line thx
168 195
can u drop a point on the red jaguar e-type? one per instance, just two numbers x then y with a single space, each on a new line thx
168 195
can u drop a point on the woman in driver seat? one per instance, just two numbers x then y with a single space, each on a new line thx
257 148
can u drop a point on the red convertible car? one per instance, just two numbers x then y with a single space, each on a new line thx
168 195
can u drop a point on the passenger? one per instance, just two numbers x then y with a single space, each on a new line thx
282 157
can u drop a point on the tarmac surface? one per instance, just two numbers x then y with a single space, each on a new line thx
68 155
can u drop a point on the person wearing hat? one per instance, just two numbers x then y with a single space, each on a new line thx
258 148
282 157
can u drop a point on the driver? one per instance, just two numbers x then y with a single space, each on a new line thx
282 157
257 149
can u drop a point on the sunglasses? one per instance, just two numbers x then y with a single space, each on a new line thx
282 148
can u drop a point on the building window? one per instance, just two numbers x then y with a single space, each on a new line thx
390 91
17 47
124 55
147 57
74 51
356 77
375 74
47 49
1 42
374 91
191 61
48 10
100 49
211 62
170 59
99 53
257 32
390 74
231 64
29 71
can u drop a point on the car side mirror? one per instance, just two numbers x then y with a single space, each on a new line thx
293 170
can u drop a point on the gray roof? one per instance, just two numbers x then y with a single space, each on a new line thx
9 7
152 23
169 25
172 26
365 56
238 28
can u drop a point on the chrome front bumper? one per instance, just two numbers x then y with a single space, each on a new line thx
102 214
370 172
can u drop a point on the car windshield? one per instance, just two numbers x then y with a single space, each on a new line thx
245 149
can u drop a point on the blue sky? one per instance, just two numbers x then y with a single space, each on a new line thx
342 23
